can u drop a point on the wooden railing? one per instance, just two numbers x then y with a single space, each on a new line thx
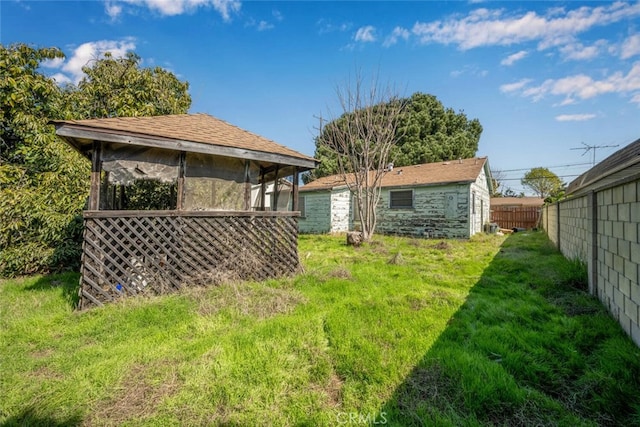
137 252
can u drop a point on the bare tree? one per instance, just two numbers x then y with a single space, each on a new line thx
362 138
497 176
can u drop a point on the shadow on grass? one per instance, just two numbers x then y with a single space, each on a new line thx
30 418
528 347
69 283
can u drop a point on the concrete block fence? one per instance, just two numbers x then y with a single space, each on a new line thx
601 228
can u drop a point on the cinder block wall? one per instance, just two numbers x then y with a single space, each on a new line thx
602 230
550 222
574 224
618 255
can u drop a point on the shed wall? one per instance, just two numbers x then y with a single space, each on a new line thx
482 202
340 210
317 217
438 211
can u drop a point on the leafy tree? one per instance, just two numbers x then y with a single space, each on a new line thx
431 133
360 141
118 87
426 132
43 182
508 192
543 183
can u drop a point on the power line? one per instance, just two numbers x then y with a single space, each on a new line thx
547 167
542 177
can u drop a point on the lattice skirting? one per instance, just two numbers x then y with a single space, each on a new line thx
130 255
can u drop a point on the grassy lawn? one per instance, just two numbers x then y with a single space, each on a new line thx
490 331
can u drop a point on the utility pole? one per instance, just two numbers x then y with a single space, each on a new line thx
586 149
321 123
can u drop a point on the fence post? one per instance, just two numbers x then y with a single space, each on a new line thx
558 225
592 262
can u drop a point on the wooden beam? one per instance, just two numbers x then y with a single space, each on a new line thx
67 131
96 169
176 214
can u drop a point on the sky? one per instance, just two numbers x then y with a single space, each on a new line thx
554 84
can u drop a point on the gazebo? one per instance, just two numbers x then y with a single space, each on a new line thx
183 200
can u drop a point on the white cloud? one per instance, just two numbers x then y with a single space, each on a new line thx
71 69
630 47
175 7
581 86
112 9
513 87
325 26
484 27
575 117
635 98
52 63
579 52
61 79
264 25
396 34
512 59
365 34
471 70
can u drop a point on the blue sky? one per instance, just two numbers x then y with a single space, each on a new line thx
543 78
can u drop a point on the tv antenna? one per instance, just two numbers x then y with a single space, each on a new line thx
587 148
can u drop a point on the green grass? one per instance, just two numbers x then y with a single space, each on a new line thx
490 331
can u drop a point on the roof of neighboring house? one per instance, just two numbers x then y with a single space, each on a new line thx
185 132
517 201
455 171
621 165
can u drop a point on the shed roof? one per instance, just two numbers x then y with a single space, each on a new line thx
517 201
200 133
457 171
622 165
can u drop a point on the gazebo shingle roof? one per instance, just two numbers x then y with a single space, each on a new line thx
198 128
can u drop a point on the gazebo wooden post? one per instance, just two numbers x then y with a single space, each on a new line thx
181 168
294 192
263 189
96 169
247 185
276 192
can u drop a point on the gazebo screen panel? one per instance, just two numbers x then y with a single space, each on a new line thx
217 183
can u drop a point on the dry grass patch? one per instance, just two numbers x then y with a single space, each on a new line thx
340 273
138 396
442 246
247 298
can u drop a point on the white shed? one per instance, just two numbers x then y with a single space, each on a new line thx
443 199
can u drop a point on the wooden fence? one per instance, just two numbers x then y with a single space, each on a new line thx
516 216
129 253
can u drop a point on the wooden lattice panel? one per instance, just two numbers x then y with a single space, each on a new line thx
125 254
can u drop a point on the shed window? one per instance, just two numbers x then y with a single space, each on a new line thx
401 199
473 202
